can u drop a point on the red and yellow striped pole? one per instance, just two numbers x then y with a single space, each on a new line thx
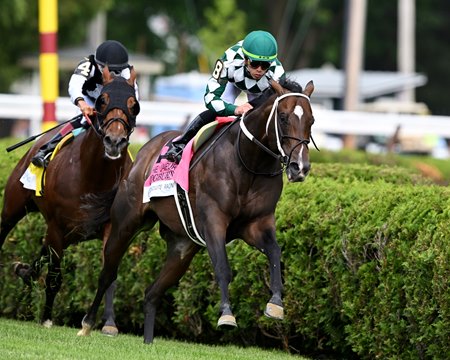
48 60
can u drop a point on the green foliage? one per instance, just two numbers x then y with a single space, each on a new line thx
19 26
226 25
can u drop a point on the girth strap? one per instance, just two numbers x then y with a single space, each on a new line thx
186 216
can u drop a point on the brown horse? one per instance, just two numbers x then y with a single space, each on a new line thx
235 183
94 162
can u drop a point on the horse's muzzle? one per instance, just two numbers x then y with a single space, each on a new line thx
296 172
114 146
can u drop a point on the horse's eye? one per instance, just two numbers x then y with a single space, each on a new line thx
133 106
284 117
102 100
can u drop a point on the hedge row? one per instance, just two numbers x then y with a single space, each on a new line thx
365 254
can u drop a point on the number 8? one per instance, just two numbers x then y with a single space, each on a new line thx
217 69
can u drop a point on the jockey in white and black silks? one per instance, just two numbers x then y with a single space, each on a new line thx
85 86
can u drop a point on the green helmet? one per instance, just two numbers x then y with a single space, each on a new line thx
260 45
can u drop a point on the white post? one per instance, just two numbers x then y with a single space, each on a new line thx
406 44
354 51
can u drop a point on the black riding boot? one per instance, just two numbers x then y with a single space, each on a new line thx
43 155
174 153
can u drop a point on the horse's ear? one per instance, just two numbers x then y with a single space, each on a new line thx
133 75
309 88
106 75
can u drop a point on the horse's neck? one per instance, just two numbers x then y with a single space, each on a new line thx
92 156
91 146
256 122
248 151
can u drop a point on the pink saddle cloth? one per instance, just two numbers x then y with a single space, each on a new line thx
166 174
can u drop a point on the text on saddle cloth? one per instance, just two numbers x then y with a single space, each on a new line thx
166 174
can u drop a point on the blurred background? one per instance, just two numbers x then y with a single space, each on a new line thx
380 68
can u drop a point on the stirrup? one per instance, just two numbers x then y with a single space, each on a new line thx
41 160
174 153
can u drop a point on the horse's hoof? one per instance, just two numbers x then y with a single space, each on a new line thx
227 320
274 311
47 324
20 268
85 330
109 330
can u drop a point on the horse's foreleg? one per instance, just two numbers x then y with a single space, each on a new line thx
28 273
107 277
53 285
109 317
179 256
114 249
274 308
222 271
266 242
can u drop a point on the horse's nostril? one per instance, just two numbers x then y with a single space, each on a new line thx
294 166
123 142
107 140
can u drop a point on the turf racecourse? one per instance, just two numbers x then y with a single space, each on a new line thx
29 340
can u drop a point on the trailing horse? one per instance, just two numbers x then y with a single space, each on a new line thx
235 182
93 162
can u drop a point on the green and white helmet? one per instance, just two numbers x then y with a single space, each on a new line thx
260 45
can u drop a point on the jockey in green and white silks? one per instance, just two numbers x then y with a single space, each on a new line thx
231 76
247 66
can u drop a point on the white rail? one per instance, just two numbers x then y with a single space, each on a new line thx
176 113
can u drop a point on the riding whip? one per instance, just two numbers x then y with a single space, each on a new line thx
31 138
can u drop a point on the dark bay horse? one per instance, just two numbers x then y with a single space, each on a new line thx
234 187
94 162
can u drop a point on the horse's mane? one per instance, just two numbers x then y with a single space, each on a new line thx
286 83
291 85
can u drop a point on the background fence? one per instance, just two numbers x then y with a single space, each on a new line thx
175 114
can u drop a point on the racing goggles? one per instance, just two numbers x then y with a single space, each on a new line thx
254 64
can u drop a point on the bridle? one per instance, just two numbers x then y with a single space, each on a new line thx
118 96
101 127
281 156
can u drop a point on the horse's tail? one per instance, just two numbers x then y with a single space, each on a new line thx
96 208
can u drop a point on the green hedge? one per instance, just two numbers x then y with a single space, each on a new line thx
365 252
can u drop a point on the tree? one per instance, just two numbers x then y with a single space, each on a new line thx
20 31
225 25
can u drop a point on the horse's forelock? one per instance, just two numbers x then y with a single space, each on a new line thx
291 85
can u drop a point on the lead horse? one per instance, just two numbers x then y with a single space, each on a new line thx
235 183
94 162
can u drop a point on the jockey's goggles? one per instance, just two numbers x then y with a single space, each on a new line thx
254 64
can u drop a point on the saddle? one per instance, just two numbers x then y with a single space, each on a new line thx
34 177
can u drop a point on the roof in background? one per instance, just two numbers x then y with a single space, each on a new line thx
69 58
329 83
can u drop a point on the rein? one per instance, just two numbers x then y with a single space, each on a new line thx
281 157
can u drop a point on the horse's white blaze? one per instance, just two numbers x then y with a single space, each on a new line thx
298 110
